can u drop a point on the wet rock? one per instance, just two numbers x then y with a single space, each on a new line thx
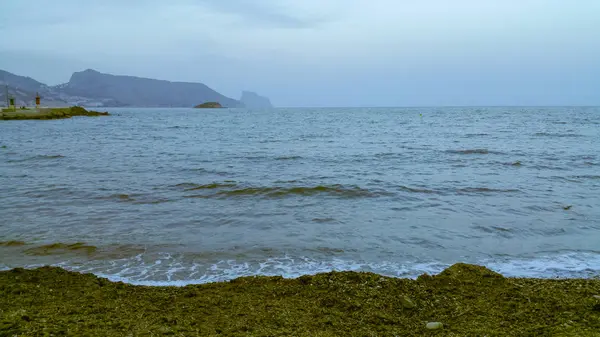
434 325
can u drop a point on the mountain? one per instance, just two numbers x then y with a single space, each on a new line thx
94 89
23 83
143 92
24 90
254 101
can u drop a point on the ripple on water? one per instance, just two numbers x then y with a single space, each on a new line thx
236 191
514 163
324 220
36 158
417 190
485 190
473 151
586 176
196 187
61 249
557 135
137 199
288 158
504 232
376 175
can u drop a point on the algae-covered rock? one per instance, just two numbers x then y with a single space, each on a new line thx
468 272
434 325
79 111
407 303
209 105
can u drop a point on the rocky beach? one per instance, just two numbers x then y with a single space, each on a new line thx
463 300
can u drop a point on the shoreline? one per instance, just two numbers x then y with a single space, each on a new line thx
48 113
466 299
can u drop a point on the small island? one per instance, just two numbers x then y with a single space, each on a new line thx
47 113
209 105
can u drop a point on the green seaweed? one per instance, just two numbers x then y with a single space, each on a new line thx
12 243
61 248
467 300
209 186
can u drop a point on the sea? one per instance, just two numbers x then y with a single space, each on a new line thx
184 196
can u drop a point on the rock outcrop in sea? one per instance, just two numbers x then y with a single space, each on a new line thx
209 105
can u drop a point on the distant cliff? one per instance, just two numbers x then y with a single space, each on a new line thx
252 100
94 89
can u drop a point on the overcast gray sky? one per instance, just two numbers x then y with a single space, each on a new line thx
321 52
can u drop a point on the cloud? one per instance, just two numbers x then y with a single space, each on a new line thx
266 14
255 13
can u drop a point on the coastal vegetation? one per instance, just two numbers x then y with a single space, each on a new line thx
48 113
463 300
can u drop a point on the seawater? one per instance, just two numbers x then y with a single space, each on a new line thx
179 196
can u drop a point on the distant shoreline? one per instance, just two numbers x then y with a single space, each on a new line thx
47 113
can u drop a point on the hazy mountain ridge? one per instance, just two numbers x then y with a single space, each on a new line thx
92 88
254 101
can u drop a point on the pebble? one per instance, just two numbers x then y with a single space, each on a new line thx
407 302
434 325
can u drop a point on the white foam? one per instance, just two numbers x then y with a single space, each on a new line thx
173 270
564 265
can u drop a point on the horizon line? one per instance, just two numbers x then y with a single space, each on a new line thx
374 107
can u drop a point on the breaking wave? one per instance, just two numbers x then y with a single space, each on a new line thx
174 270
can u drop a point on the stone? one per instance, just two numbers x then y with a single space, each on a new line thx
407 303
434 325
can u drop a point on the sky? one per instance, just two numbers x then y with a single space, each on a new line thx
328 53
